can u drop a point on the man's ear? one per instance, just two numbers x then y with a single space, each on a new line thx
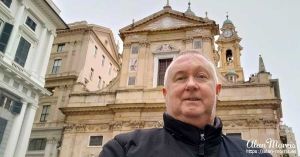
218 88
164 90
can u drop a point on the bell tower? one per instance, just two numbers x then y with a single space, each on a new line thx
229 49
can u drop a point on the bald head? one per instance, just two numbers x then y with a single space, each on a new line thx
191 89
191 53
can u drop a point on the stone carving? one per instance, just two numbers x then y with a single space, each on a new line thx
115 125
159 124
80 127
166 22
253 122
133 65
166 48
133 124
137 124
69 127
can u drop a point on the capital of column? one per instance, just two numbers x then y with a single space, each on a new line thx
33 106
52 140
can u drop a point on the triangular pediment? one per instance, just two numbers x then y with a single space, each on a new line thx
165 19
166 22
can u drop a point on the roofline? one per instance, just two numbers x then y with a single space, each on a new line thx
67 27
196 18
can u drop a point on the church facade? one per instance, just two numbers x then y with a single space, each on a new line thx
249 109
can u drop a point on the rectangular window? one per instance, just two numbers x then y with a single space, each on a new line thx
30 23
60 47
4 37
131 80
103 60
95 51
7 2
56 66
3 123
110 67
16 107
37 144
22 52
135 49
96 140
197 44
236 135
99 82
45 113
91 74
162 67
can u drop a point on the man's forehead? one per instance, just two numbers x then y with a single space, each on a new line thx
190 59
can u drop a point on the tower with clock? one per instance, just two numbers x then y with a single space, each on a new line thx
229 49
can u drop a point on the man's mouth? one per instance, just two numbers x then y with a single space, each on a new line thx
192 99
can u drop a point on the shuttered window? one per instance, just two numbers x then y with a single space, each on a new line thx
6 2
45 113
4 37
3 123
56 66
22 52
30 23
162 67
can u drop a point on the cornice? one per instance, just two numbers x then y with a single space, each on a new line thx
167 29
111 108
263 103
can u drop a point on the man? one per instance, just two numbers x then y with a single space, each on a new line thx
191 128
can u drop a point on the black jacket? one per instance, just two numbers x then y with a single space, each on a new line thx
177 139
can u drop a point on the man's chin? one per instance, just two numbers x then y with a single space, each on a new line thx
193 114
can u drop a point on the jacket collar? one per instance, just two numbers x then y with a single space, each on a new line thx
192 135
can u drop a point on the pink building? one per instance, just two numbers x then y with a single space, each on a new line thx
82 57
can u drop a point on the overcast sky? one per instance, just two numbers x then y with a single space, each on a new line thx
267 27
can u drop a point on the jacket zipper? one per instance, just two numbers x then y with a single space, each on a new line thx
201 145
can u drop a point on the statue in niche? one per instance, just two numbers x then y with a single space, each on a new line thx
133 64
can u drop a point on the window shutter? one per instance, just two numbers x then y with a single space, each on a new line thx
3 123
16 107
7 2
22 52
5 36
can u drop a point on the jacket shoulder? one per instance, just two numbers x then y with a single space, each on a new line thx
134 137
238 145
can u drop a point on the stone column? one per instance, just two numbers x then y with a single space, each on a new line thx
25 130
13 36
46 54
50 150
38 57
14 133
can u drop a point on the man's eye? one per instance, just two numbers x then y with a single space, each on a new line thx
180 78
201 76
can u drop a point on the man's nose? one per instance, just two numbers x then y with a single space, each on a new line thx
191 84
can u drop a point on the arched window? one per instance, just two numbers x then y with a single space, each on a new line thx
229 57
